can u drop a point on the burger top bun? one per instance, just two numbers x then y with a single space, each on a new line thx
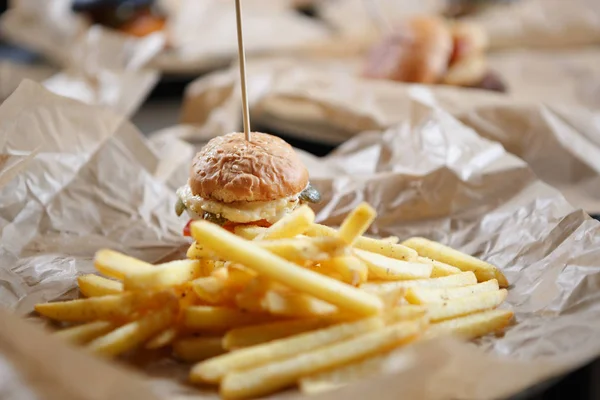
230 169
418 51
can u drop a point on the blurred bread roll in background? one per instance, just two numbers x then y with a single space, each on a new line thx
434 50
418 51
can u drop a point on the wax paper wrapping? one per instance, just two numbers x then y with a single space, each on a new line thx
94 65
200 36
75 178
12 73
542 23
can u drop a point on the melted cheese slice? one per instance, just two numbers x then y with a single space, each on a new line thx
241 212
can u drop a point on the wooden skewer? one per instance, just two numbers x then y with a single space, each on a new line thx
242 57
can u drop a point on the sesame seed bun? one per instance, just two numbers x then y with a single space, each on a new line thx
230 169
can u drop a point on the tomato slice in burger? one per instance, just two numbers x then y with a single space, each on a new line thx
186 229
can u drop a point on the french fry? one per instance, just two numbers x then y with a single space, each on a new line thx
357 223
294 304
265 379
215 369
214 290
466 305
198 348
187 297
198 252
302 249
263 333
82 334
163 339
239 276
216 319
472 326
350 269
462 279
116 307
392 250
422 295
386 268
342 376
133 334
439 268
295 223
111 307
437 251
164 275
250 298
93 286
249 232
116 265
405 312
391 239
241 251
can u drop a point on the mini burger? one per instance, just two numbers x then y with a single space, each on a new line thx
432 50
235 182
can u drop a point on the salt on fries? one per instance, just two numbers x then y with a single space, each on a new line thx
261 309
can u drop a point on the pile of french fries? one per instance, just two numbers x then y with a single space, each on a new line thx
297 303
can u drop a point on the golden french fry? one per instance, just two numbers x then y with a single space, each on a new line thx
462 279
388 249
423 295
241 251
295 223
250 298
163 339
294 304
116 265
439 268
164 275
405 312
357 223
82 334
214 290
265 379
249 232
187 297
263 333
93 286
300 249
196 251
111 307
386 268
391 239
351 269
466 305
211 319
437 251
198 348
215 369
133 334
239 275
342 376
472 326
